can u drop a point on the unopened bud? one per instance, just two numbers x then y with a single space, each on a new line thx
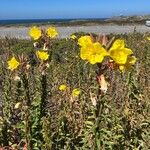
36 44
104 40
28 66
16 78
47 65
17 105
45 47
103 83
93 99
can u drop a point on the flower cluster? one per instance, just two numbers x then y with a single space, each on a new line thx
94 52
13 63
36 33
43 40
75 92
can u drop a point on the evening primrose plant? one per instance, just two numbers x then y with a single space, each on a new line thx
95 52
21 73
37 33
108 56
43 37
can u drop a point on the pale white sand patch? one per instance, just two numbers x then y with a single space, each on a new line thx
22 32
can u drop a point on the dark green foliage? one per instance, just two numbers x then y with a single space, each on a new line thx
22 46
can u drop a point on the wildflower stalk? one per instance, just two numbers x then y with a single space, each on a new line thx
43 96
99 106
28 124
42 107
6 97
18 91
46 133
5 133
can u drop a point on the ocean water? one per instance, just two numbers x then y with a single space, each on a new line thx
55 21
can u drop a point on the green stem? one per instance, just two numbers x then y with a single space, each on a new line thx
5 133
28 125
99 106
43 96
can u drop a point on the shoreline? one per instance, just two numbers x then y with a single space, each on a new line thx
65 31
73 24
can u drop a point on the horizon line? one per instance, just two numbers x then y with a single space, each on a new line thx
77 18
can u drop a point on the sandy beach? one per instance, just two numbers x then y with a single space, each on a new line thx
22 32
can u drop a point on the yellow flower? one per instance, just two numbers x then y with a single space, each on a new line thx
35 33
130 61
148 38
13 64
76 92
52 32
73 37
42 55
94 53
62 87
119 53
85 41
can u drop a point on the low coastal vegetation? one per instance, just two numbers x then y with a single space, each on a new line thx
118 20
86 92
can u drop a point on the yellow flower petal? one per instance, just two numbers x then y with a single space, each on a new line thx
73 37
85 52
130 62
35 33
94 53
96 59
118 44
52 32
119 56
148 38
76 92
42 55
84 41
13 64
122 67
62 87
119 53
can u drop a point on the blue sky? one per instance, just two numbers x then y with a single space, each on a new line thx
43 9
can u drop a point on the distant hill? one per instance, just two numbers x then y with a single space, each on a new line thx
129 19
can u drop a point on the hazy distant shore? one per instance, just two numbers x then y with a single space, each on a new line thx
64 32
